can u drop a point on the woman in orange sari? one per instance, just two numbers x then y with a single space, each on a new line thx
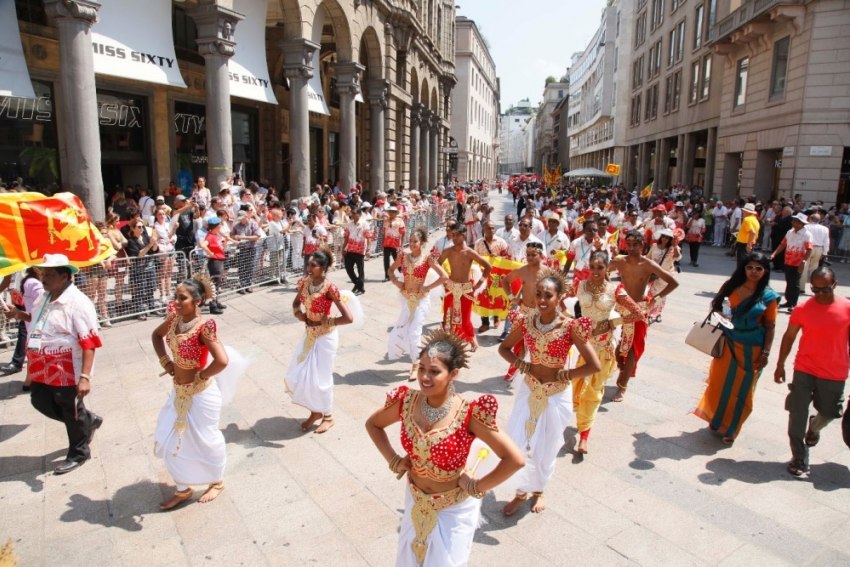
732 378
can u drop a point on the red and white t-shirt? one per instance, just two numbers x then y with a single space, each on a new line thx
313 238
357 233
67 327
393 233
797 243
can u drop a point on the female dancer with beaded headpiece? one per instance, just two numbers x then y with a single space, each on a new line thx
406 335
437 430
309 379
597 298
187 435
543 405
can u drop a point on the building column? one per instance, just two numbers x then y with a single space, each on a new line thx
434 150
81 164
415 119
424 147
710 161
644 165
297 68
662 163
378 103
688 160
216 25
348 86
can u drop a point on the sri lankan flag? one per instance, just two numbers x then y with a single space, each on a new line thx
647 191
493 301
32 225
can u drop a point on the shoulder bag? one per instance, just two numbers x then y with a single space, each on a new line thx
707 337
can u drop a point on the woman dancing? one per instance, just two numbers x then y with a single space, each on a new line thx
543 407
310 379
187 435
597 298
665 253
415 301
732 378
437 430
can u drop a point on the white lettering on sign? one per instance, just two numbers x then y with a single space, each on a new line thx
123 115
39 110
137 56
820 151
186 123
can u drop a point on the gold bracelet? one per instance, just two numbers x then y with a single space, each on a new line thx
331 322
164 360
394 462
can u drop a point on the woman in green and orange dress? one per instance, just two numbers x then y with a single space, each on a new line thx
732 378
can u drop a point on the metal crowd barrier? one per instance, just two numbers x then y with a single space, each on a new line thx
139 287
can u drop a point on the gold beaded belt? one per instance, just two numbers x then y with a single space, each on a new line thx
538 397
183 394
424 513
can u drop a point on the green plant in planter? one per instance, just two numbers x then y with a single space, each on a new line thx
41 160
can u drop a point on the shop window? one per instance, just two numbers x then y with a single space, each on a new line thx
190 143
28 147
245 144
31 11
185 32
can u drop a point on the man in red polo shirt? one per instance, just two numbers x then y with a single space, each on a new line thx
820 368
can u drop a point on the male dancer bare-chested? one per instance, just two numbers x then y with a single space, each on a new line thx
635 273
460 291
524 302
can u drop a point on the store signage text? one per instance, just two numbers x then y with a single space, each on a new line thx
39 110
188 123
248 80
124 115
136 56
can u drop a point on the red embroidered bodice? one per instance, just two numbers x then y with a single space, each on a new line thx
187 350
552 347
318 304
419 270
441 454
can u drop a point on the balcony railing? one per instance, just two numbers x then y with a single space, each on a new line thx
749 11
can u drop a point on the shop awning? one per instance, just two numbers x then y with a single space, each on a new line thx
587 172
249 72
14 75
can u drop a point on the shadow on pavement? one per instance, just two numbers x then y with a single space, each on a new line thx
26 469
824 476
265 432
470 383
684 446
494 520
126 509
374 377
10 430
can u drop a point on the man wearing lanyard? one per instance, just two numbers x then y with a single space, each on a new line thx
60 357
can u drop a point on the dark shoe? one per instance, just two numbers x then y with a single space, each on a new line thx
67 466
812 437
483 328
25 388
96 422
798 468
10 368
220 305
249 290
386 279
784 305
241 292
502 337
215 310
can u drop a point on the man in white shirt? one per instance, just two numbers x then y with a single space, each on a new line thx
509 231
721 216
553 240
820 246
147 205
516 246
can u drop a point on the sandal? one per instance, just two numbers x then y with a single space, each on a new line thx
812 437
797 468
726 440
327 423
179 497
212 492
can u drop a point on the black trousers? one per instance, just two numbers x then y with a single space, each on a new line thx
21 346
389 253
740 252
354 260
62 404
694 251
792 284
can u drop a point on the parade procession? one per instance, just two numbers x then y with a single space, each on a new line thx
304 284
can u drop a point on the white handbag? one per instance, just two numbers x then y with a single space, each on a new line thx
707 337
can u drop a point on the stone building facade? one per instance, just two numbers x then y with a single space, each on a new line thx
475 104
599 94
386 68
512 139
545 151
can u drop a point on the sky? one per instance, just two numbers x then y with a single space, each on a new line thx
532 39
